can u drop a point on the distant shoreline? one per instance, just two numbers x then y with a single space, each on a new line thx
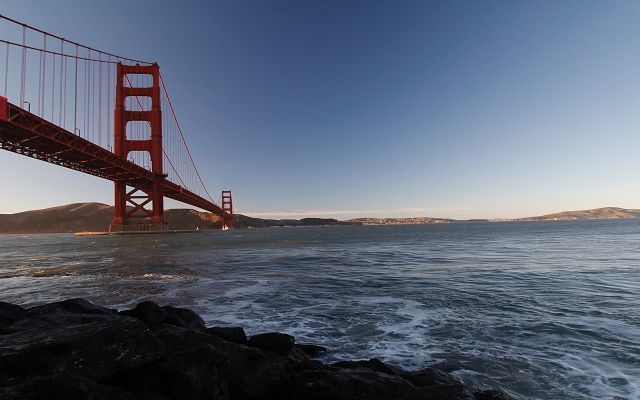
95 217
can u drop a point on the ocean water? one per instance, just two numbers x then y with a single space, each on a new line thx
541 310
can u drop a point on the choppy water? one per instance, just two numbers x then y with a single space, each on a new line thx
542 309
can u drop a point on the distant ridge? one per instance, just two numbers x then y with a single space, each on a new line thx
78 217
95 217
596 213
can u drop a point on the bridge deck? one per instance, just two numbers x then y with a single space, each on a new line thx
27 134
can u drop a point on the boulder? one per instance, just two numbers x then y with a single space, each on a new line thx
437 385
312 350
230 334
280 343
97 348
153 315
63 386
373 364
176 338
74 349
252 373
148 312
10 313
75 306
348 384
183 317
192 374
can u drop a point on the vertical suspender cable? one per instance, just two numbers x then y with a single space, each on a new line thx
100 99
24 64
44 77
75 97
6 72
109 104
92 117
53 89
62 63
86 97
64 88
39 84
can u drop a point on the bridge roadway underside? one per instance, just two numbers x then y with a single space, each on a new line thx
27 134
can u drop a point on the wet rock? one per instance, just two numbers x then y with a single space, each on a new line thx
75 306
230 334
98 348
196 373
177 338
183 317
280 343
348 384
297 355
373 364
438 385
148 312
77 350
10 313
312 350
63 387
153 315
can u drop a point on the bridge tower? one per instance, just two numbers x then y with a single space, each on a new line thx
139 196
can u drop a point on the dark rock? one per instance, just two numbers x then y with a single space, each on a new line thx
230 334
183 317
196 373
176 338
373 364
76 350
312 350
152 314
437 385
148 312
248 371
63 387
252 373
280 343
10 313
296 355
75 306
107 344
347 384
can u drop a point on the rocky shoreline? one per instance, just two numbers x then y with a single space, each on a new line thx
74 349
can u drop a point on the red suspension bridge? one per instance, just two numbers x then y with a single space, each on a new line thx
102 114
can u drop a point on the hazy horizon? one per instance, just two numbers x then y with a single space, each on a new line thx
346 214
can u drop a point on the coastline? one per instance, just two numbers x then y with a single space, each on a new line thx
76 349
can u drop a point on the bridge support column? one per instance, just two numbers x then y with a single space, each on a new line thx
130 205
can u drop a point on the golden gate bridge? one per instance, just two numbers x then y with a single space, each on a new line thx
102 114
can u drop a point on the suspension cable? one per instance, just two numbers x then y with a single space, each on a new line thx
69 41
182 137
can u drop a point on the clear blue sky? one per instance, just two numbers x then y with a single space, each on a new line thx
474 109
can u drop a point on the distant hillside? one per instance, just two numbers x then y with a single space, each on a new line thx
80 217
242 221
596 213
